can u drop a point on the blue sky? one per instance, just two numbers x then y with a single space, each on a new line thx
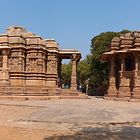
73 23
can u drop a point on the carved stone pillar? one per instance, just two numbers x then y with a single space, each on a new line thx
136 88
5 69
112 91
59 73
74 73
52 69
124 88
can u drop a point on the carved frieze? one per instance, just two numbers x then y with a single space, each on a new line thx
52 67
16 64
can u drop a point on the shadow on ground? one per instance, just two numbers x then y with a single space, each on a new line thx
102 133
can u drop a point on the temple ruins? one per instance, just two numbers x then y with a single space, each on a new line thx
31 65
124 58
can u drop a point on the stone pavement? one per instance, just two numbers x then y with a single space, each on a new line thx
95 117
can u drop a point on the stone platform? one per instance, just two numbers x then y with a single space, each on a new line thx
39 93
123 99
25 97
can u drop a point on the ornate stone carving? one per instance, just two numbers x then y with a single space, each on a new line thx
32 62
16 64
52 67
74 73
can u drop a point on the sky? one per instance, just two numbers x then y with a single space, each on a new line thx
72 23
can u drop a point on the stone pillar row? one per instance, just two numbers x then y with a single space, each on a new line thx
51 70
124 87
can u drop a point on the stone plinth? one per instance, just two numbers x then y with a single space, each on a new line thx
112 91
136 89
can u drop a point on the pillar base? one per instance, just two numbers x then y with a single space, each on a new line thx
73 88
136 93
112 91
124 92
136 89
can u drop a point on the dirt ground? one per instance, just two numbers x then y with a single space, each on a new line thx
77 119
11 130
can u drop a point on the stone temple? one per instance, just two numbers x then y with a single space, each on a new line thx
31 65
124 58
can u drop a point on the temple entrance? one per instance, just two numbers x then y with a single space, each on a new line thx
129 62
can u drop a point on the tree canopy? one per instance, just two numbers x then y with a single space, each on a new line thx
83 71
92 67
99 68
66 73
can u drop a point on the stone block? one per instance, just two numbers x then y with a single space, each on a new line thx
33 82
3 39
137 39
40 41
33 41
16 40
126 42
17 82
124 91
50 44
51 84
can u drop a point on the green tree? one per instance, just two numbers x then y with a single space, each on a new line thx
84 69
66 73
99 68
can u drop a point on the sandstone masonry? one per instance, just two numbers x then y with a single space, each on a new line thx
31 65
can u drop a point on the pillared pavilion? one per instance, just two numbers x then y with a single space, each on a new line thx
124 58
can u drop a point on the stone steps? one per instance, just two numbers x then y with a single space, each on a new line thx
68 92
39 92
31 97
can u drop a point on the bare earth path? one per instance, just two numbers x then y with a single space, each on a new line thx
68 119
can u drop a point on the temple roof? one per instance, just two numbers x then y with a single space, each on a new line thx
128 42
19 37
